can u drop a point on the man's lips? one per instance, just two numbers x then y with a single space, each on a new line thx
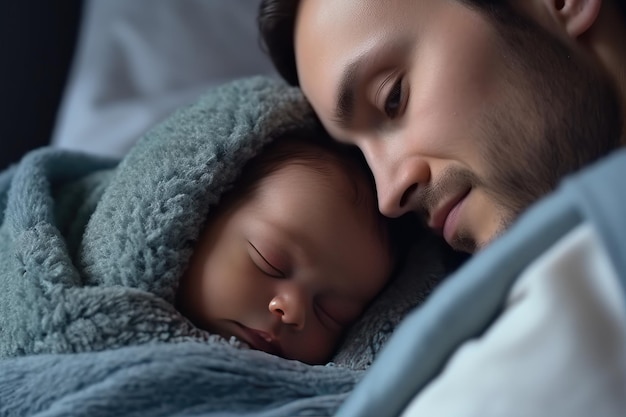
444 219
260 340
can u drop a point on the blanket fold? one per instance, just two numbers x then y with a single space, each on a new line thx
183 379
91 250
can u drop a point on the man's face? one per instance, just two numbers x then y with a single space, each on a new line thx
460 121
288 269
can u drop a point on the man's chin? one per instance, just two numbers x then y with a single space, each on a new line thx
465 244
489 238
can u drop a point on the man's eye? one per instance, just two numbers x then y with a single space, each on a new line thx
394 100
264 265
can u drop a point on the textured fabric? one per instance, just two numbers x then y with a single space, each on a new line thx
186 379
91 252
422 273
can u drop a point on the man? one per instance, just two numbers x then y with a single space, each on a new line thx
466 111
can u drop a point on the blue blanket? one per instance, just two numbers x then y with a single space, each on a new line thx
171 380
91 251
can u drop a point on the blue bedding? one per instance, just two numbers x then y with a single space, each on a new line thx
91 250
186 379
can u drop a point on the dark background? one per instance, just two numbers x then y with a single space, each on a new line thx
37 42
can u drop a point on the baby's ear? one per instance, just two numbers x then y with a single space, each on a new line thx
575 16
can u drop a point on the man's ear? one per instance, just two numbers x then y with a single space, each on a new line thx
575 16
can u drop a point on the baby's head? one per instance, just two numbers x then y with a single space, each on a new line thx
293 253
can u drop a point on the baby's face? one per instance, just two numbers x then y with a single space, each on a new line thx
287 270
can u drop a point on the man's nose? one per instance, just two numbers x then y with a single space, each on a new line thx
398 177
289 304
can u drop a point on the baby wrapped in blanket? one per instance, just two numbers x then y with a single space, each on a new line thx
92 252
292 254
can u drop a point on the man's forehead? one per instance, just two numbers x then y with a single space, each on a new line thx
332 45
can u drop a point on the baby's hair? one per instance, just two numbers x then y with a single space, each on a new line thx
315 150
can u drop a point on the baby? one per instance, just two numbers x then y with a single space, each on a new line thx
293 253
236 217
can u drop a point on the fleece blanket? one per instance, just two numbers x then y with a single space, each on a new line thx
90 255
185 379
91 250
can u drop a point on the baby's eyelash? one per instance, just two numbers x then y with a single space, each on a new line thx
278 272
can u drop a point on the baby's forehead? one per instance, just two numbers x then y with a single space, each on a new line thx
355 183
341 173
340 168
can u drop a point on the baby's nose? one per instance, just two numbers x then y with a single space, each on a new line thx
289 305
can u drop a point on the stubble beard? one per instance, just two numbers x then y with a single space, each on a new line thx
561 114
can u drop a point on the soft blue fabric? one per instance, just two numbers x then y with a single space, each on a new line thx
468 301
91 251
600 196
186 379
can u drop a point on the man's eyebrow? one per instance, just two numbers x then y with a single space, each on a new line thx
344 110
354 70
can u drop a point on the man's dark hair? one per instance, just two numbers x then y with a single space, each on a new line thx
277 20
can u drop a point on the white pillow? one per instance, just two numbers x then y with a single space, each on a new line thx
137 61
